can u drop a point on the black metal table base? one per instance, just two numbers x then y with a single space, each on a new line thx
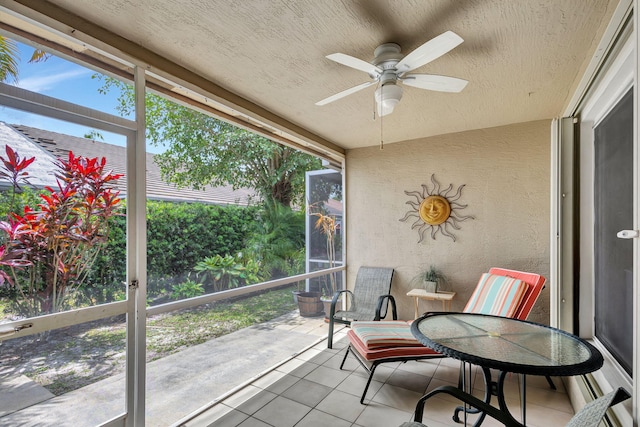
491 388
502 416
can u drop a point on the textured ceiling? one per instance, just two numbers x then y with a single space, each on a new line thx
522 58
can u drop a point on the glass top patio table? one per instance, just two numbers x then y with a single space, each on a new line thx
507 344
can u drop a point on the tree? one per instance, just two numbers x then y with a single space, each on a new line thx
277 242
202 150
9 59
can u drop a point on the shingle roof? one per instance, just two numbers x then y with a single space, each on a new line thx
40 171
46 146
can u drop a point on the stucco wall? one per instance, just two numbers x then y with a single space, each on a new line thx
506 171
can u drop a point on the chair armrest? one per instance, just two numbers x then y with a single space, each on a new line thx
381 301
335 299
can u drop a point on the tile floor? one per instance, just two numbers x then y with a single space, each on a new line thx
310 390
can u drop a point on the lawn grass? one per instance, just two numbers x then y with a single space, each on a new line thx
68 360
167 334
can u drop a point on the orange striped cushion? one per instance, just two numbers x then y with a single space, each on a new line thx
385 352
497 295
384 334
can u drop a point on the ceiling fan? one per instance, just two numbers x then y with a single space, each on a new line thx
389 68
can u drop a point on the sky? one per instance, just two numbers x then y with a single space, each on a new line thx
65 80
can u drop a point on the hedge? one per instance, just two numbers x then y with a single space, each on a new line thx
179 235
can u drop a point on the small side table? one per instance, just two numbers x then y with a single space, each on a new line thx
419 294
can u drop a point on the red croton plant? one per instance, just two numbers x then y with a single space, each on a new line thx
48 250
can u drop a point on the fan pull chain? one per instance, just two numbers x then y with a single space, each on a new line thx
381 139
381 134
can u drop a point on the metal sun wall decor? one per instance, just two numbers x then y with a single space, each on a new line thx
437 209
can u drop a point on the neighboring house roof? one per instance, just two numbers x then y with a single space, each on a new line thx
46 146
40 171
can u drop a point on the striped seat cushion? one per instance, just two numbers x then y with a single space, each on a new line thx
373 354
497 295
392 333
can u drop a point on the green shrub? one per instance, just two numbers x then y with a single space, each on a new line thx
179 235
183 234
187 289
227 272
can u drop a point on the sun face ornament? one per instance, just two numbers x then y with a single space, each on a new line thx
437 209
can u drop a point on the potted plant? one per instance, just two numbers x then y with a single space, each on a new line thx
327 225
431 279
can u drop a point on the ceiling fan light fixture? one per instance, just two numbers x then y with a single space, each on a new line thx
387 96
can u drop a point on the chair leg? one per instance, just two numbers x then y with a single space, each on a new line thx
550 381
344 359
366 387
371 370
330 337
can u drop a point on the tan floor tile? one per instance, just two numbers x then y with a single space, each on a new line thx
317 418
447 373
217 412
245 395
282 412
354 384
253 422
422 367
540 416
256 403
397 397
307 392
309 354
409 380
327 376
378 415
557 400
343 405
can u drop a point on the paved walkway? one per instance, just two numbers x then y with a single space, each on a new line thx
178 384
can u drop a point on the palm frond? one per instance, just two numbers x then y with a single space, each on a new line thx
8 60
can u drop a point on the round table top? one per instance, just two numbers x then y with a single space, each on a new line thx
507 344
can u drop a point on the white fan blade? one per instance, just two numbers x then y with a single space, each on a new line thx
434 82
429 51
356 63
345 93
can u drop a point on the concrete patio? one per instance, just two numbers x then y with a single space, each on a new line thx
176 385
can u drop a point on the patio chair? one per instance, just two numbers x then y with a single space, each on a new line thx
369 300
500 292
589 416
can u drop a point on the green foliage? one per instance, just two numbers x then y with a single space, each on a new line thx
9 56
226 272
50 248
95 135
187 289
179 236
202 150
106 281
11 202
8 60
432 274
278 241
182 234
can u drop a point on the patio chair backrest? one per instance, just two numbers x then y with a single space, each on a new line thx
536 284
508 293
371 283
